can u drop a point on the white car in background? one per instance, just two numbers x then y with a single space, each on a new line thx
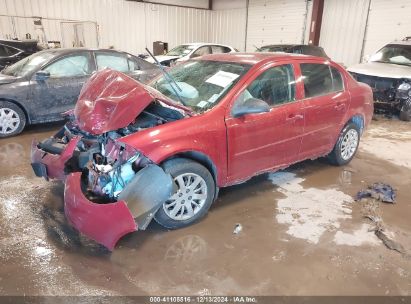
187 51
388 73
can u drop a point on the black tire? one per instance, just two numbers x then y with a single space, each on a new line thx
5 108
405 113
336 156
176 167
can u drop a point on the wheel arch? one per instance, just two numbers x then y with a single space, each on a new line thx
26 114
202 159
358 120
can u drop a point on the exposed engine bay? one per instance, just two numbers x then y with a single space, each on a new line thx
108 165
391 96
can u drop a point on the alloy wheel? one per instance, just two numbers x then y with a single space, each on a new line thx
188 199
349 144
9 120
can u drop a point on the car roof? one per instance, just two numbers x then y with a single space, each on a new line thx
62 51
204 43
254 58
402 42
289 45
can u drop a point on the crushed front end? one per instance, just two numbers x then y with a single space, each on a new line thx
391 95
111 189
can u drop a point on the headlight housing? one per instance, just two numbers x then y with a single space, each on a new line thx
404 90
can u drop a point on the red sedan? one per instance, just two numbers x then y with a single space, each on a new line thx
131 152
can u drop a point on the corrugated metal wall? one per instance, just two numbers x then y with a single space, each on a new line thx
388 20
126 25
342 29
228 27
276 21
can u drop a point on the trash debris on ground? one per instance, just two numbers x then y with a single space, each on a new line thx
237 229
378 191
373 195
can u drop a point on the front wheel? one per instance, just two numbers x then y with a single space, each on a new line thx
195 190
12 119
346 146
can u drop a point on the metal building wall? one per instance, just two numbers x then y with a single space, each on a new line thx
342 29
228 27
388 20
276 21
126 25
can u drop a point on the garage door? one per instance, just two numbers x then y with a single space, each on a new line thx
387 21
275 21
342 29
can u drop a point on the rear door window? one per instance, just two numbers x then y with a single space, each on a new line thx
204 50
338 84
217 49
317 79
117 62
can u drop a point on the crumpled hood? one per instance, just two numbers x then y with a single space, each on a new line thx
380 69
111 100
4 79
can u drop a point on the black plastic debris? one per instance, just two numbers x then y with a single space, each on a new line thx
379 191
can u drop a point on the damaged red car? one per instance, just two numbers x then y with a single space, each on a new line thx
133 152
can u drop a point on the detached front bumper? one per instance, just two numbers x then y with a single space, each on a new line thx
104 223
50 164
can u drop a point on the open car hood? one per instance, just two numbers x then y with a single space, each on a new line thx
111 100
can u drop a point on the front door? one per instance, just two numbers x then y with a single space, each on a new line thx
60 91
261 142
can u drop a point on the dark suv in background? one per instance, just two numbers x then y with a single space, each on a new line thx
12 51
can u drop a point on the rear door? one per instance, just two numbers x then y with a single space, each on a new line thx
260 142
60 91
325 104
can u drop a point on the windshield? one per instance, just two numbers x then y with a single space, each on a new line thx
202 83
181 50
393 53
27 65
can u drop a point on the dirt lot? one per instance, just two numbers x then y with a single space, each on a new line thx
303 234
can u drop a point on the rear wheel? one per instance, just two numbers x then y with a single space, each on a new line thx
195 189
12 119
346 146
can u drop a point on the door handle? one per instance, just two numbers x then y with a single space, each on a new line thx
339 106
293 117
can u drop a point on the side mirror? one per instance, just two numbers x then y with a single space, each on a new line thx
366 58
42 75
250 106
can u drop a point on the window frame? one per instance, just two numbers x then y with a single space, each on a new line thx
118 54
207 46
58 58
299 96
329 65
